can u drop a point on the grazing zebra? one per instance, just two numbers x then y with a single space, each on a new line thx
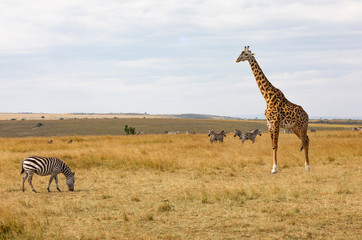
250 135
44 166
190 132
287 131
312 130
216 136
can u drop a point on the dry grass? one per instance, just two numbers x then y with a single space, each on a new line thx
183 187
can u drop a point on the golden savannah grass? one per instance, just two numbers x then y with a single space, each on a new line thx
184 187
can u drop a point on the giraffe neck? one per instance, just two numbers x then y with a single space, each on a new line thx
266 88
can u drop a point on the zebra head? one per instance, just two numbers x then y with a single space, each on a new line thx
237 133
223 133
245 55
70 181
258 132
211 132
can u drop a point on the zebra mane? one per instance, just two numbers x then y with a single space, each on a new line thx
66 170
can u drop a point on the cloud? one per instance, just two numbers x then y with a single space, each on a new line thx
176 56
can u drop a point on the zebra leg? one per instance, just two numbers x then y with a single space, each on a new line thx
56 182
50 181
24 178
30 179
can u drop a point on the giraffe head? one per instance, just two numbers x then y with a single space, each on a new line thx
245 55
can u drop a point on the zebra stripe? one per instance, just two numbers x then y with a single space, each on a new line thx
44 166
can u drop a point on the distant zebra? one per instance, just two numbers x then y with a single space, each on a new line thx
312 130
171 132
237 133
250 135
44 166
190 132
287 131
216 136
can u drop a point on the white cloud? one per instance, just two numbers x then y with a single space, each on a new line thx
176 55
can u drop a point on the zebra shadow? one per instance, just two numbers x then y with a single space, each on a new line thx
13 190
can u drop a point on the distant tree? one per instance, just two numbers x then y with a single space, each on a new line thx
129 130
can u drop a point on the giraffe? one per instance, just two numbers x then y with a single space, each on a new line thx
279 113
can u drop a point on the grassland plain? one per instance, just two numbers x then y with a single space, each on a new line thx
184 187
83 127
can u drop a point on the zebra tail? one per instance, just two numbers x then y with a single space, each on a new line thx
22 169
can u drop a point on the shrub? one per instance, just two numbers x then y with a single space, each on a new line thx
129 130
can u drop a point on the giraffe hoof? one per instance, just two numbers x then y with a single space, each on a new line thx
307 168
274 169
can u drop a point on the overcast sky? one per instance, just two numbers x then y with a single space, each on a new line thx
172 56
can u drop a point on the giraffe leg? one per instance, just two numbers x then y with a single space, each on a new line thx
24 178
306 150
302 135
274 133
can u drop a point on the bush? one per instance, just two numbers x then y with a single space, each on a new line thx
129 130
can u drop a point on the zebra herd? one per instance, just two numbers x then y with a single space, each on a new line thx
249 135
